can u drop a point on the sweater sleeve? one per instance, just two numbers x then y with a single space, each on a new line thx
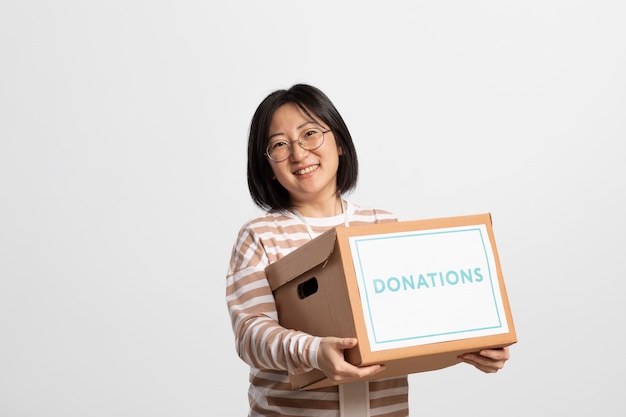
260 340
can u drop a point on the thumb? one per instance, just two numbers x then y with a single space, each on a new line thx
347 342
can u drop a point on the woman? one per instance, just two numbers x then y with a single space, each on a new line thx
301 162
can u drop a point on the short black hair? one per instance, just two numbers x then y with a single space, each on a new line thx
270 194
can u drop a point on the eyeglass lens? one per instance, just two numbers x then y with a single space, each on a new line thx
310 139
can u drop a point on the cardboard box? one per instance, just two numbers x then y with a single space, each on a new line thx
416 294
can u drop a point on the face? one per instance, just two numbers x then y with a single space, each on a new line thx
308 175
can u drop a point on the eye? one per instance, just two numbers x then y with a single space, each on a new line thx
278 144
309 133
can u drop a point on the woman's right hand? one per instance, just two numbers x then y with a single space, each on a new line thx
331 360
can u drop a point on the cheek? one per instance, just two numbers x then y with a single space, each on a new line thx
273 171
279 172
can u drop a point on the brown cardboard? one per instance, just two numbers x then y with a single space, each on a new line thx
316 291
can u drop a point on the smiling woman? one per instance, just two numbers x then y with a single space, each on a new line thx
308 173
285 117
301 161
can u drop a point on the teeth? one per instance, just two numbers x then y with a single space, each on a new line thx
306 170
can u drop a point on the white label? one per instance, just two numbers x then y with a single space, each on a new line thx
428 286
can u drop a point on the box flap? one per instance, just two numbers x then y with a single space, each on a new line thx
313 253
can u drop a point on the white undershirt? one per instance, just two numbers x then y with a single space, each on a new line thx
326 220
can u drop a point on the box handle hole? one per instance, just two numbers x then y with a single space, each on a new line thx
307 288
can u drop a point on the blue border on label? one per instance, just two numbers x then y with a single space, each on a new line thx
370 238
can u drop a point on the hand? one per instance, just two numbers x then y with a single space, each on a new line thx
487 360
331 360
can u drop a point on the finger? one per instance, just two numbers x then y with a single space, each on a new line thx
347 342
496 354
482 363
355 373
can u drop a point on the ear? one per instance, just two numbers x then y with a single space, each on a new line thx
339 150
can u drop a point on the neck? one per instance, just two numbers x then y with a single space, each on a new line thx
329 208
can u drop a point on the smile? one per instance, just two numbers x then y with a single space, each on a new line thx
306 170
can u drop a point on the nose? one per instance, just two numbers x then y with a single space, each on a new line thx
297 151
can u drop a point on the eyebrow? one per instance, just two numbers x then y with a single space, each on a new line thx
299 127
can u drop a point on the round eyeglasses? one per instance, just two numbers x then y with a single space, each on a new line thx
310 139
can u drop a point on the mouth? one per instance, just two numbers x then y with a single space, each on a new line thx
306 170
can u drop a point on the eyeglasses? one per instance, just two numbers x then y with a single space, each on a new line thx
309 140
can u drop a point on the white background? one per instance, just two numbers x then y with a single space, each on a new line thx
123 128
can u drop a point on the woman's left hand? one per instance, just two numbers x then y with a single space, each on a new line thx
487 360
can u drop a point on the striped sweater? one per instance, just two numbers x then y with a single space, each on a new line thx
273 351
